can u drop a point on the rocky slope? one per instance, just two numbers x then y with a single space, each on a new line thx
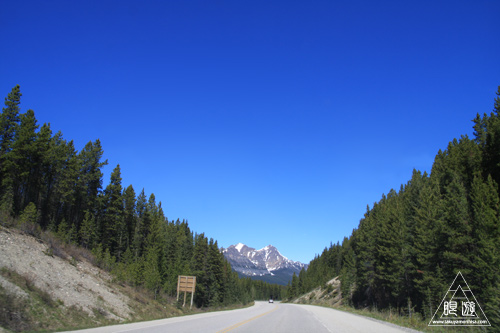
78 284
266 264
327 295
47 285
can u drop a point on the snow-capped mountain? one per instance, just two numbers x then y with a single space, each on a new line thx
266 264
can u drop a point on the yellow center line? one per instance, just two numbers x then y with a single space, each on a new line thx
247 321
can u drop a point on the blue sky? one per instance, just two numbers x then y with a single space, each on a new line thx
261 122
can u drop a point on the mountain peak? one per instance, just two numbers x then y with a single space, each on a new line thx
265 264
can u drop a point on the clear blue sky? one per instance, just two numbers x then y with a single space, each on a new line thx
261 122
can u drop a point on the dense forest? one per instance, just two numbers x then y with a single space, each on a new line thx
411 244
45 181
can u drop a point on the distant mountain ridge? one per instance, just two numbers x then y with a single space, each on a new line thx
266 264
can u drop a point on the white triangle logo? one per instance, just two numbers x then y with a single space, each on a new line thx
459 307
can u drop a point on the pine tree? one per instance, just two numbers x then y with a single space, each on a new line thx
25 157
152 276
480 128
364 249
294 287
348 270
90 177
40 186
429 247
88 232
199 266
9 120
136 271
67 184
29 214
53 151
63 231
155 235
113 228
392 253
142 227
215 263
302 281
9 123
129 214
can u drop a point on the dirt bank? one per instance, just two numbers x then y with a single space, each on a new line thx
68 281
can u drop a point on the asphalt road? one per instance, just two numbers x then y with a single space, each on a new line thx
262 317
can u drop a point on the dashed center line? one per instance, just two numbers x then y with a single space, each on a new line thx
247 321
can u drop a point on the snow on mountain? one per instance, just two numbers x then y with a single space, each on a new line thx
239 246
265 264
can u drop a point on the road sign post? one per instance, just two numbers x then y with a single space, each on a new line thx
186 284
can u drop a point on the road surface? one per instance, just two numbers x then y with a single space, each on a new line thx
262 317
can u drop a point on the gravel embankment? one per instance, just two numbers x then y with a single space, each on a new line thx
79 284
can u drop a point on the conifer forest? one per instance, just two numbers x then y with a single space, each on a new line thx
410 245
45 181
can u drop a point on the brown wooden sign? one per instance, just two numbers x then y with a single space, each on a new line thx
186 284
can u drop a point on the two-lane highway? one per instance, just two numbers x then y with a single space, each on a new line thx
262 317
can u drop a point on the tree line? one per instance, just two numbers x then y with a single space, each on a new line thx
411 244
45 180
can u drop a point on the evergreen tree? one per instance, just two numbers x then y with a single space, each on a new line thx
38 187
88 232
142 226
90 177
9 123
48 170
67 184
63 231
392 254
113 229
480 128
152 275
348 270
365 250
9 119
25 157
215 283
294 287
129 214
429 248
29 214
199 265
